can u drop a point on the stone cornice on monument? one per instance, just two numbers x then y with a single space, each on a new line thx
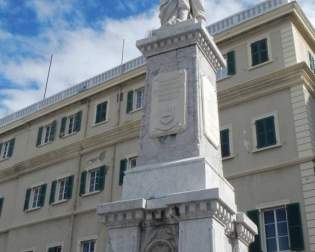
182 35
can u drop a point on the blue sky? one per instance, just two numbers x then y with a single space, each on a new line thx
85 37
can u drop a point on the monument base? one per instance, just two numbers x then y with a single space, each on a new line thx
196 221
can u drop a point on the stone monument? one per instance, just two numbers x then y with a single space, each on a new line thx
177 198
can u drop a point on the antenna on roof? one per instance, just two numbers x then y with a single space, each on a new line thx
51 58
123 52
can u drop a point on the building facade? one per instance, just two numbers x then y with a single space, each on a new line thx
63 156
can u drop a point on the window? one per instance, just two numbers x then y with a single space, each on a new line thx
126 164
265 130
61 190
88 246
312 61
135 100
55 249
282 228
6 149
101 112
46 134
259 51
93 180
35 197
71 124
225 143
231 63
1 205
276 229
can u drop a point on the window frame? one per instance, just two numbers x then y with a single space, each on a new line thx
73 132
263 226
85 239
228 127
56 244
311 61
249 51
95 112
2 198
277 132
5 149
30 203
135 100
128 158
44 132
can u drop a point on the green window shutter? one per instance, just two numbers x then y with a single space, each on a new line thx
260 133
101 112
39 136
83 182
255 54
69 186
1 144
295 227
102 178
231 63
1 205
123 168
11 147
270 130
53 131
259 52
256 245
63 126
42 195
225 143
78 118
27 199
263 50
130 101
266 132
53 192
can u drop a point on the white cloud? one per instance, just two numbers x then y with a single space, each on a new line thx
83 52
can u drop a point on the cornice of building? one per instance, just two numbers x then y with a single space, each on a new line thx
118 135
299 74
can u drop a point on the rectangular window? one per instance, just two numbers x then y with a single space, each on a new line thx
276 229
46 134
101 112
312 61
225 143
135 100
93 180
259 51
126 164
61 189
265 132
55 249
231 63
6 149
35 197
1 205
88 246
71 124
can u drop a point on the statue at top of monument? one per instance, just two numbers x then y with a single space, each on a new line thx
174 11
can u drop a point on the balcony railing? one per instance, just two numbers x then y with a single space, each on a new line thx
245 15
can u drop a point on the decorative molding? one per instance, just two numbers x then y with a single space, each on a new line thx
120 134
245 229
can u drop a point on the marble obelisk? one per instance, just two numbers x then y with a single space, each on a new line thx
177 198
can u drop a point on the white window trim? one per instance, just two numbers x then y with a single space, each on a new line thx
55 244
44 133
249 51
30 203
229 127
94 124
67 115
86 238
29 249
262 226
87 182
134 109
2 150
57 201
278 140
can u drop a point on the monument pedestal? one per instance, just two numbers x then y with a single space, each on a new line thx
177 198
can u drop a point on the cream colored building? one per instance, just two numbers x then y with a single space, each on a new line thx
63 156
